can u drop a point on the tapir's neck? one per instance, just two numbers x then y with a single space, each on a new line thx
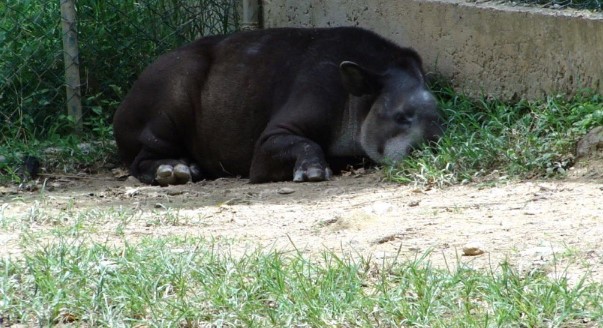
346 141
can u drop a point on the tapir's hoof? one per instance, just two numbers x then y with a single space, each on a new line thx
312 174
172 175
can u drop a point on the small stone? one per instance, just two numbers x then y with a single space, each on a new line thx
107 265
131 192
85 147
414 203
120 173
285 191
6 191
473 248
53 151
32 186
386 239
236 201
379 208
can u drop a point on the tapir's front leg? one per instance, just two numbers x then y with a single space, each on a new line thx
286 156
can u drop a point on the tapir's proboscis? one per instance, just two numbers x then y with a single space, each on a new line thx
274 105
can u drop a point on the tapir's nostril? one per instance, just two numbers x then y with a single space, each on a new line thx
403 118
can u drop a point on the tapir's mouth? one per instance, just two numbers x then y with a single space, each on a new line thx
394 149
397 149
388 153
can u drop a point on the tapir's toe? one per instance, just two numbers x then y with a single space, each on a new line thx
312 174
182 174
165 175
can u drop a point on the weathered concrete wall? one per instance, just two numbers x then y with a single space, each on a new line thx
484 49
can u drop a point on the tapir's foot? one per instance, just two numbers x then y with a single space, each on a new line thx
176 174
273 159
312 173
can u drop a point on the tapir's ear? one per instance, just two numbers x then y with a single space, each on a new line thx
359 80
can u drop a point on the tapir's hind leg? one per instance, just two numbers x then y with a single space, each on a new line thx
155 124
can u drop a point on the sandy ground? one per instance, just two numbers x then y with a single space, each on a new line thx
553 225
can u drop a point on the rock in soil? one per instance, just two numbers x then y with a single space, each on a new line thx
473 248
590 143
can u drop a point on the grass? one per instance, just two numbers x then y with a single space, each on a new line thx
489 138
189 282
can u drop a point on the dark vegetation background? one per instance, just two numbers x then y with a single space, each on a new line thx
117 39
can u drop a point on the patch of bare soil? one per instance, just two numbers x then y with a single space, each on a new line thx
555 226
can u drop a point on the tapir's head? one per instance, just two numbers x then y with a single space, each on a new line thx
403 113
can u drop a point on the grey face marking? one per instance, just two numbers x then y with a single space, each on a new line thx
398 119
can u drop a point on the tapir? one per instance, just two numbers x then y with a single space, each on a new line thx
274 105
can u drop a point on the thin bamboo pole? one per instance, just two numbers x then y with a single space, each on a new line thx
72 64
251 10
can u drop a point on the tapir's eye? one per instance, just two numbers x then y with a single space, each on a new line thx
402 119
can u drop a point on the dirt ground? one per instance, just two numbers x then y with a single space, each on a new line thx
552 225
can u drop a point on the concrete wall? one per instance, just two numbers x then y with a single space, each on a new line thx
485 49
